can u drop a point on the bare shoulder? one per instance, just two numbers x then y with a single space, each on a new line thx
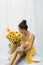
33 35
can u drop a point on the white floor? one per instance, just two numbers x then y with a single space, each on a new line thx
4 54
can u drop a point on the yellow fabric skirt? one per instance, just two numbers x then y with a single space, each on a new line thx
28 57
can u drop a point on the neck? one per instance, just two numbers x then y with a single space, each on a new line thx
25 33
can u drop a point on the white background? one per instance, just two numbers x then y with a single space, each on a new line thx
14 11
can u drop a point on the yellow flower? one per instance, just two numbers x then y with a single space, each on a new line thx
8 30
14 36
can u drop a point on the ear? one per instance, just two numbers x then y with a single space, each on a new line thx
23 29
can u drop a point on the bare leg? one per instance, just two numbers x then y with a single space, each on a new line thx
17 58
15 54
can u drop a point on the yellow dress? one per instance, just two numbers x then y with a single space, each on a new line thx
30 52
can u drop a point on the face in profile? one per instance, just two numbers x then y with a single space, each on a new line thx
20 30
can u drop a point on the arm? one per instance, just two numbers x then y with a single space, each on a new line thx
30 46
31 43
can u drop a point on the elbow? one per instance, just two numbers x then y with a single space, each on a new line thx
34 37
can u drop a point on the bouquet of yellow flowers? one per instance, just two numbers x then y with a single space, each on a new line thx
14 38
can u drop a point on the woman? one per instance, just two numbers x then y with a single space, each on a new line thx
26 46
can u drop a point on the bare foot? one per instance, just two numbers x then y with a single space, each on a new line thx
12 64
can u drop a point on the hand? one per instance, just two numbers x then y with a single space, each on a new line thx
9 45
20 50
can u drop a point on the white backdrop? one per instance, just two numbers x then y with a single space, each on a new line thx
19 10
11 13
